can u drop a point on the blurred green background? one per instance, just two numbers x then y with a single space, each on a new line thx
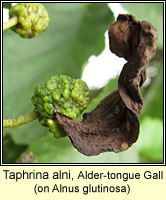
76 31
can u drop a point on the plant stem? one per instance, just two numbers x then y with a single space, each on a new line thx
24 119
12 22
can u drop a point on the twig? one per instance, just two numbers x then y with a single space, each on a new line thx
24 119
12 22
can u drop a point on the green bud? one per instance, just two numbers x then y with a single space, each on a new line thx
47 98
43 122
54 128
49 108
61 94
33 19
34 100
67 104
56 95
70 113
66 93
51 85
75 94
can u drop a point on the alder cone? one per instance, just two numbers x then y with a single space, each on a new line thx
33 19
61 94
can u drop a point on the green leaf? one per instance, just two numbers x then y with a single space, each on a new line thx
11 151
51 150
152 12
76 31
153 97
7 5
150 143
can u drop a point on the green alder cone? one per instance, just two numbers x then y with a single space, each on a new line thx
61 94
33 19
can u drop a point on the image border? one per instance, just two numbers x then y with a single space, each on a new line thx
84 164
